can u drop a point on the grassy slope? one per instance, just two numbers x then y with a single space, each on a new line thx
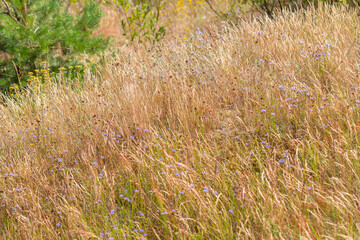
239 133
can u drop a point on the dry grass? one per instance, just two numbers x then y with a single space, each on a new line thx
247 132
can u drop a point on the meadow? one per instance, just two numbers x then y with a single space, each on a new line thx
228 131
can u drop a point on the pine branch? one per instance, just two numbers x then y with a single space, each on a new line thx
8 10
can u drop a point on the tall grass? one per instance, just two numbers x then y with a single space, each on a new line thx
240 132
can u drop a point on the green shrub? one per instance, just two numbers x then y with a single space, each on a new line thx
43 31
141 21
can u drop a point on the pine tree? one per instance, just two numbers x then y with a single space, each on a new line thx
35 31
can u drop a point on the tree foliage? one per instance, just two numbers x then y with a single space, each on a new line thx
35 31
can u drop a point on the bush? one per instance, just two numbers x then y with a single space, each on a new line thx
269 7
43 31
141 24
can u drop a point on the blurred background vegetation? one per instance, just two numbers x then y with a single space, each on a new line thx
41 38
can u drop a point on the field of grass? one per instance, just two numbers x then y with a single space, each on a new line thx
236 132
